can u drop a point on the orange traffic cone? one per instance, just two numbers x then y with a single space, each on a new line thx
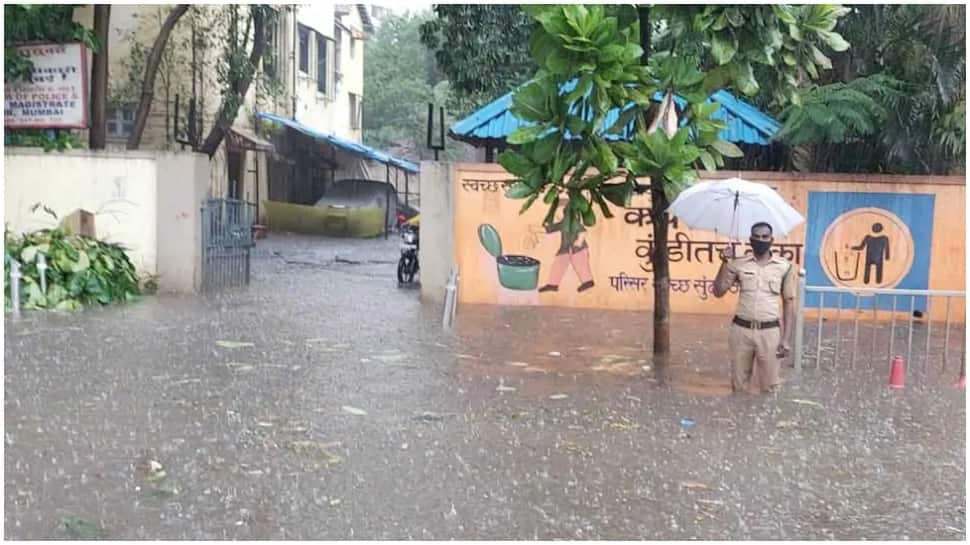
897 373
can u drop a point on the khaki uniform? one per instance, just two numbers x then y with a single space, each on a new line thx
762 288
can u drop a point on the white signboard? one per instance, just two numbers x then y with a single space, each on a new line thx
56 96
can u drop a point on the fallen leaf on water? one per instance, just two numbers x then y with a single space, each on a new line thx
234 344
317 450
504 388
710 502
389 358
264 424
517 363
555 354
429 416
154 466
354 410
694 485
465 357
808 402
558 396
80 528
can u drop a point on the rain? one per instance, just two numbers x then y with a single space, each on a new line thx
325 403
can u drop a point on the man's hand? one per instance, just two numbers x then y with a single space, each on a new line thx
783 350
727 253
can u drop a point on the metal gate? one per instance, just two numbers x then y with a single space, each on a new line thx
874 336
227 237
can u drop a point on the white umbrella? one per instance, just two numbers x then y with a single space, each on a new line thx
733 206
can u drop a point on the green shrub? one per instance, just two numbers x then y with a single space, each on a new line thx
81 270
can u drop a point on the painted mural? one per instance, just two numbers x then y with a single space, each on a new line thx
882 234
869 240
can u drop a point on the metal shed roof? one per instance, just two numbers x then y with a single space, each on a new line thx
346 145
492 123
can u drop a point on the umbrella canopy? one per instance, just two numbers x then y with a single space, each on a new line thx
733 206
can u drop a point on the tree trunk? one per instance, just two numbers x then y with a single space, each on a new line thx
151 72
233 99
661 275
99 78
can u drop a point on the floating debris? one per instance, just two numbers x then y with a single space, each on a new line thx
517 364
555 354
504 388
558 396
354 410
808 402
234 344
694 485
80 528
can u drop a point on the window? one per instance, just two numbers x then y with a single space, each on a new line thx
120 121
271 56
304 49
338 42
356 111
321 64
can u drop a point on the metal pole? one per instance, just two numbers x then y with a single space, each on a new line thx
892 330
946 337
929 332
875 328
818 340
855 335
15 276
838 331
799 320
42 269
909 341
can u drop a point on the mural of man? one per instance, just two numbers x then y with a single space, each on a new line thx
572 251
877 252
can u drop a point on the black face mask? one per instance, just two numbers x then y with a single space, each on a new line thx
760 247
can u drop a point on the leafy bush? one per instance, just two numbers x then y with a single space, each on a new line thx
81 270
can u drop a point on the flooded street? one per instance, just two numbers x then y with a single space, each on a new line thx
323 402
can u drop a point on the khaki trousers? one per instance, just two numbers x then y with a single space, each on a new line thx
754 350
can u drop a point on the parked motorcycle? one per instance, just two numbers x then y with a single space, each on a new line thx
407 265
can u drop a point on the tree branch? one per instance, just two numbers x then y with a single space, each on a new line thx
233 99
151 72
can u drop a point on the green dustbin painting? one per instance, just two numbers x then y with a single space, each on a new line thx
515 272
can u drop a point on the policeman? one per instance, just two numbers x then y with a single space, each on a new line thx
758 340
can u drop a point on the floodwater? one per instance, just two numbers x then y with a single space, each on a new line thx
325 403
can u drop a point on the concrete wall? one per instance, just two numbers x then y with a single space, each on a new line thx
924 217
147 201
437 251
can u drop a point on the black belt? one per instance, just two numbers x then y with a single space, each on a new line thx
756 325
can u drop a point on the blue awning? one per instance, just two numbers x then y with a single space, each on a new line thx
494 122
346 145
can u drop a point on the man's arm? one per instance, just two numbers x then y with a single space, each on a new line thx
862 245
726 277
788 312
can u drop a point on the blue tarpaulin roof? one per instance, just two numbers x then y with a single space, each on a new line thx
494 121
346 145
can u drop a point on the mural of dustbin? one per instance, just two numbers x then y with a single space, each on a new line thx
515 272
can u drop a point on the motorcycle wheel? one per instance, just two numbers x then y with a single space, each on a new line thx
405 272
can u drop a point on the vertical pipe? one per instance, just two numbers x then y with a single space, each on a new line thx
909 340
15 276
855 335
42 270
875 328
838 330
818 339
946 337
929 332
892 330
800 320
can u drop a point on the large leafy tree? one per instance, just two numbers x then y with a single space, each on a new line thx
905 73
396 115
480 49
591 62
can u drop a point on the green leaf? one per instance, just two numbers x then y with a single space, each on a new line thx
582 87
604 208
722 50
744 78
833 40
516 163
530 103
625 117
28 254
546 148
728 149
589 218
606 161
528 203
709 164
821 59
83 263
525 135
519 190
618 194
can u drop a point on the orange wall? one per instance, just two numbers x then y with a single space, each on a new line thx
618 246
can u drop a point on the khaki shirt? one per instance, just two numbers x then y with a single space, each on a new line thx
762 286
